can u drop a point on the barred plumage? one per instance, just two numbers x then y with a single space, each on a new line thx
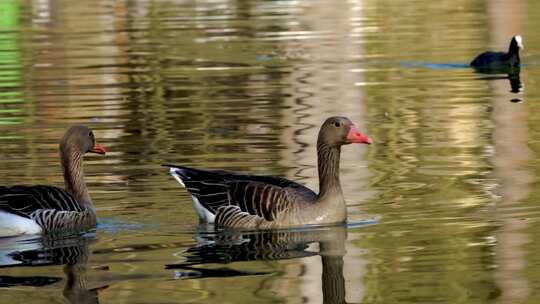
248 201
240 200
35 209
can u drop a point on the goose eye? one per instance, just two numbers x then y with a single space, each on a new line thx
337 124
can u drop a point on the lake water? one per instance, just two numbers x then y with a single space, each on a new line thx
443 207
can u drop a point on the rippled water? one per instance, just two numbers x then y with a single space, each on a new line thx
443 207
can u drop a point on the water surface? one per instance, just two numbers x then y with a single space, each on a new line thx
244 85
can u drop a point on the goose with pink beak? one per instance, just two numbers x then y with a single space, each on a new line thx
236 200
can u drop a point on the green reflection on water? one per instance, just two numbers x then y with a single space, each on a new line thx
10 61
432 174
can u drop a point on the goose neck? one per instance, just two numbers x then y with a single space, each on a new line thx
328 167
72 165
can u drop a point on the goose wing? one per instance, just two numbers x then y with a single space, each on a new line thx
25 200
251 197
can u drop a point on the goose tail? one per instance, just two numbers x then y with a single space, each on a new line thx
177 173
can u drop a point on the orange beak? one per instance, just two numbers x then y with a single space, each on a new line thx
356 137
97 148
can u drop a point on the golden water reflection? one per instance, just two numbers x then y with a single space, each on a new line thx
244 85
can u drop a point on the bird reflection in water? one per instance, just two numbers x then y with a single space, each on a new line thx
515 83
512 74
72 252
233 246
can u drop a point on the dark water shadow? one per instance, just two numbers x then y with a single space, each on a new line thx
515 81
487 73
434 65
34 251
516 86
33 281
225 247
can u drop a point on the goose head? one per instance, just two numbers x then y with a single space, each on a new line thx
80 139
337 131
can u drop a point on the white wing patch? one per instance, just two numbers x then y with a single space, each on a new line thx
204 214
172 171
13 225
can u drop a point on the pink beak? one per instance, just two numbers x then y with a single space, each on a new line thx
97 148
356 137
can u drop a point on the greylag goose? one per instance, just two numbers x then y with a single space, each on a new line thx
229 199
500 60
38 209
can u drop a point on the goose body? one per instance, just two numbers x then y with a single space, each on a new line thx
235 200
229 199
39 209
500 60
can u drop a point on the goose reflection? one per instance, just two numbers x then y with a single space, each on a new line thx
227 247
72 252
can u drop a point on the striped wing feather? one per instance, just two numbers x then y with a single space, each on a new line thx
25 200
242 196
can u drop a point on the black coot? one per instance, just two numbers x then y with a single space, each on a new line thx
500 60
